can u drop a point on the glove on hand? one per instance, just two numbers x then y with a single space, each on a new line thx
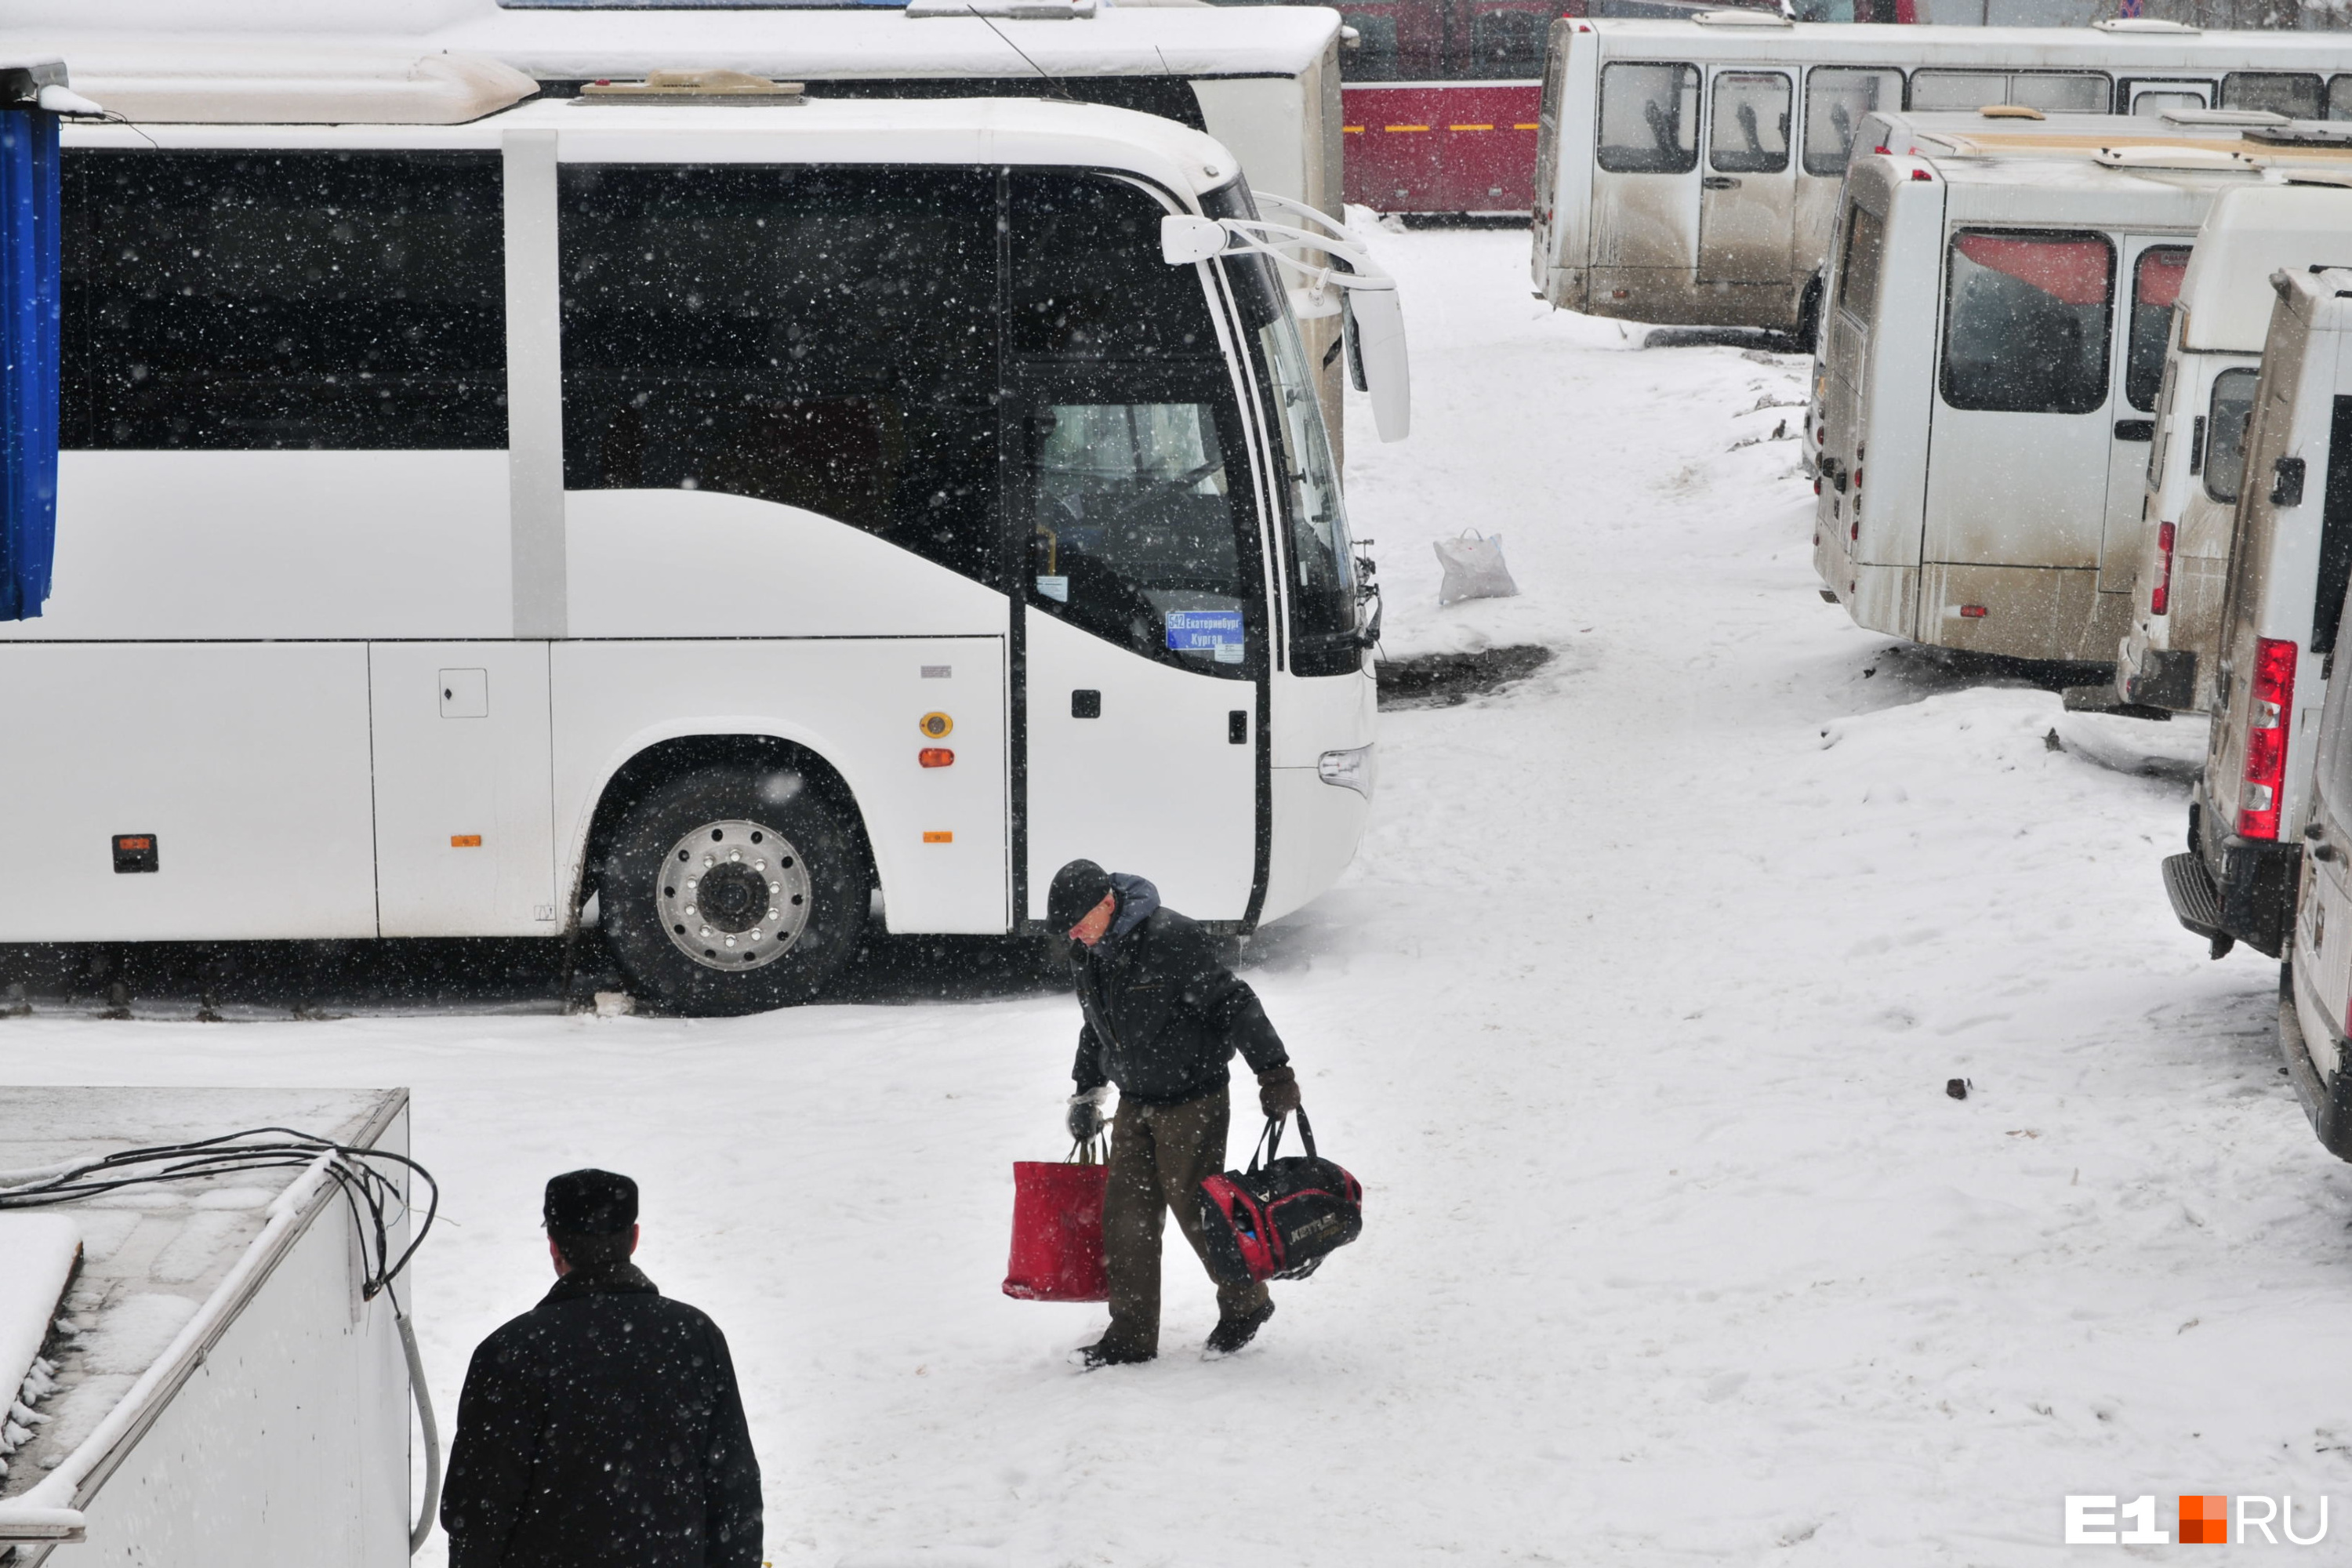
1086 1119
1278 1092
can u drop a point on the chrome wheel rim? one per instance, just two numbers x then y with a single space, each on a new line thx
733 895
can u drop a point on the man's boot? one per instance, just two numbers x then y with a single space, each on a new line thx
1232 1333
1102 1352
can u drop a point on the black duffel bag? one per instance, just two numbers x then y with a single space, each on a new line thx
1281 1221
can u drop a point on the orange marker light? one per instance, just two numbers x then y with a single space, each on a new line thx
936 757
939 838
465 841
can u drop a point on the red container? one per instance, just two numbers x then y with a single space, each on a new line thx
1057 1245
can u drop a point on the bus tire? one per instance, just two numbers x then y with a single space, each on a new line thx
734 888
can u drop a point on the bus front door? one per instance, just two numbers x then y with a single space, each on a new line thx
1747 193
1143 640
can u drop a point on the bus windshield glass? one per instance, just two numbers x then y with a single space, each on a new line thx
1322 576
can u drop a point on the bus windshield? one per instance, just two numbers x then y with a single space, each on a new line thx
1322 586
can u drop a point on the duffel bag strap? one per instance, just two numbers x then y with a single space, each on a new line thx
1269 1141
1306 1133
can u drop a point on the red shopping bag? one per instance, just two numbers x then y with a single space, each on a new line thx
1058 1218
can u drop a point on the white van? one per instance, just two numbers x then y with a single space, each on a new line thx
2210 367
1991 360
2288 560
727 504
2314 1009
1628 222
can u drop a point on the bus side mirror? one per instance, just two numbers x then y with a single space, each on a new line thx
1374 323
1185 240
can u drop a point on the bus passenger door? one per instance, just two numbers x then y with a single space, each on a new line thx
464 832
1747 193
1145 633
2152 272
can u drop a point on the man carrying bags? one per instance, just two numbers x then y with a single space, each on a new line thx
1163 1017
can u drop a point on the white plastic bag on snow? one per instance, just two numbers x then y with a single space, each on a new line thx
1474 569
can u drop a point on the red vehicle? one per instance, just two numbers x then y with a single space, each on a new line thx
1439 96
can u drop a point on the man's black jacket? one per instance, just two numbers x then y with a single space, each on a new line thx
603 1429
1163 1014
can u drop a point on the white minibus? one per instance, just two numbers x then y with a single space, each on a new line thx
1990 359
2280 609
1264 80
2314 1007
1628 222
2194 465
734 507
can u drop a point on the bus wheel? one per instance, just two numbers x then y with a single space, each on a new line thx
733 889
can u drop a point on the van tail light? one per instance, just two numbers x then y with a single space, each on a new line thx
2159 599
2273 703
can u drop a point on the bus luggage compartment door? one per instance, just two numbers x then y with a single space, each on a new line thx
464 835
1137 765
1747 193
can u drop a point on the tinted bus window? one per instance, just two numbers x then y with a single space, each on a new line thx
1649 119
1135 501
2053 93
1836 98
2026 322
1749 129
1374 57
346 301
821 338
2335 532
1865 245
2156 284
2291 93
2339 98
1506 44
2225 431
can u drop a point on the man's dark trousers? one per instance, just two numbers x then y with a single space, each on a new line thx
1160 1155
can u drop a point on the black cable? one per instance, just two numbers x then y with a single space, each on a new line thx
362 1184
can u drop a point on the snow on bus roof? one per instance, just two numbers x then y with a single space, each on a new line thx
159 1264
249 80
1910 46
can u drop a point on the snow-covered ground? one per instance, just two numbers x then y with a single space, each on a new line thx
1635 1016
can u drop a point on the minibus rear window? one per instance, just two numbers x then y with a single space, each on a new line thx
2053 93
2335 532
2295 94
2026 322
1865 247
1836 99
1750 122
2156 284
258 300
1649 119
2225 431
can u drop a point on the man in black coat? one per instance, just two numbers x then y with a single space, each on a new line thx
1163 1017
602 1429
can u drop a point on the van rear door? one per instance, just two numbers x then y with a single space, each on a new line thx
2019 451
2153 267
1748 192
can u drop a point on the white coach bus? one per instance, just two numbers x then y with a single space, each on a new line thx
728 508
1688 172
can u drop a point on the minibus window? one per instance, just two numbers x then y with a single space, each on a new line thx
1865 246
2225 431
2156 284
1649 119
1137 510
1836 99
2335 532
1508 44
820 338
252 300
2339 107
1749 127
2294 94
2053 93
2026 322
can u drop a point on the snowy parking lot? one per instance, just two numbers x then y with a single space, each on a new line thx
1637 1015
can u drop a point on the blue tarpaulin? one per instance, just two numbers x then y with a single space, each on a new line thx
29 310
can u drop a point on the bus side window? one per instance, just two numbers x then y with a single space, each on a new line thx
1135 501
1506 45
1374 57
1836 99
821 338
1748 128
1649 119
259 300
2339 98
2026 321
2295 94
2053 93
2156 284
1858 268
2225 431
